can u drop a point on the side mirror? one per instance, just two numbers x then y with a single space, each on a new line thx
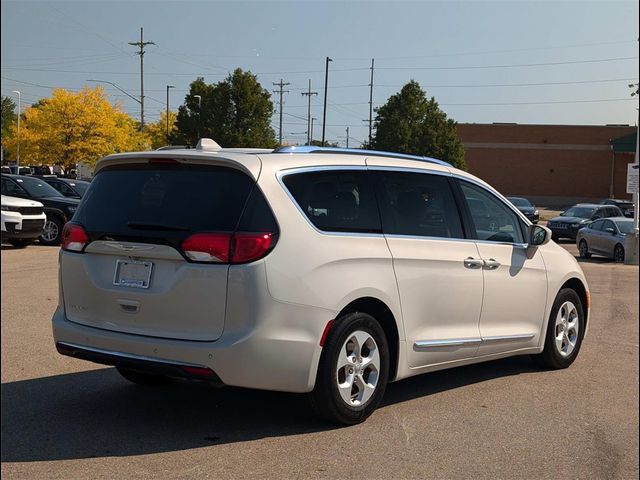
538 235
610 230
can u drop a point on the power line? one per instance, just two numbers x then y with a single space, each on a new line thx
469 67
513 65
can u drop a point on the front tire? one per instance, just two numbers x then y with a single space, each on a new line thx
52 231
145 379
353 370
584 249
565 331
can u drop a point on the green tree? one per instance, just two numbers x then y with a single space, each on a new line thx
412 123
235 112
8 115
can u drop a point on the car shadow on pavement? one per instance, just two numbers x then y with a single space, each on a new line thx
98 414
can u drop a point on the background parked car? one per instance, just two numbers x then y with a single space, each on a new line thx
526 207
58 208
67 186
22 220
604 237
578 216
626 206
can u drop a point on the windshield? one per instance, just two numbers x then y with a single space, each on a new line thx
520 202
580 212
37 188
625 227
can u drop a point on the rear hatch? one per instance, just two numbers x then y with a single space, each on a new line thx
149 249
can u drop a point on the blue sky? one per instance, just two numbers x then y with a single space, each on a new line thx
482 61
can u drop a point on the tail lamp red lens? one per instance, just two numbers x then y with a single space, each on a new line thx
74 237
227 247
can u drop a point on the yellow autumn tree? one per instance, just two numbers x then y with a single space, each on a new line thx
71 127
157 131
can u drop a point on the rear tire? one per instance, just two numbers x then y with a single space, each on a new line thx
146 379
618 254
565 332
20 242
353 370
584 249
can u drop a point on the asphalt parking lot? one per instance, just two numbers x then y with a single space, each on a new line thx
65 418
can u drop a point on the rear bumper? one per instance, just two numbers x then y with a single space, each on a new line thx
277 354
141 364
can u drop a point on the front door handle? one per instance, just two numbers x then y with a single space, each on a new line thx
473 263
491 264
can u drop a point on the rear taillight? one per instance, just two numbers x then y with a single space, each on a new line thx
74 238
250 246
208 247
227 247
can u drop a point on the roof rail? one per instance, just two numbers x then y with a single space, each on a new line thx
357 151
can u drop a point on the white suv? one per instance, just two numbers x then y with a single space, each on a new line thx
308 269
22 220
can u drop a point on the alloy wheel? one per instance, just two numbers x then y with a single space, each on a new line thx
51 231
358 368
566 329
618 254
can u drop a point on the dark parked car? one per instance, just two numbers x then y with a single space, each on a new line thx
67 186
58 208
525 206
578 216
625 205
604 237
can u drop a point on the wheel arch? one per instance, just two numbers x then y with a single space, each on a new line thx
580 288
383 314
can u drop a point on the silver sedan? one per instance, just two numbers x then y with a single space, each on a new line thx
604 237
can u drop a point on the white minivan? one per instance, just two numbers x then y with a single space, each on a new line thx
306 269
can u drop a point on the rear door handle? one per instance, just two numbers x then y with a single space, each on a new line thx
491 264
473 263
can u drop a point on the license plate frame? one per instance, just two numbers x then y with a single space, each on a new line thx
137 273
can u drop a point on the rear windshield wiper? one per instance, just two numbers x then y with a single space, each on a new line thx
154 226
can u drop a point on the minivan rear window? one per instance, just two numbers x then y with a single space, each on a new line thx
167 202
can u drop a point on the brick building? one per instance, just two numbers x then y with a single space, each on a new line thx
551 164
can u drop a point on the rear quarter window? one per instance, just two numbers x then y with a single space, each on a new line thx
336 201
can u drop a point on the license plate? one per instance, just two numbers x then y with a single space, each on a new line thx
132 273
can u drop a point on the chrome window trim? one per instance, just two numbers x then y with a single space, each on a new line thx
295 170
129 355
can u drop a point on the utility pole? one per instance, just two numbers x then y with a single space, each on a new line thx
311 134
324 112
141 44
199 97
371 102
347 137
308 94
168 87
281 91
18 145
